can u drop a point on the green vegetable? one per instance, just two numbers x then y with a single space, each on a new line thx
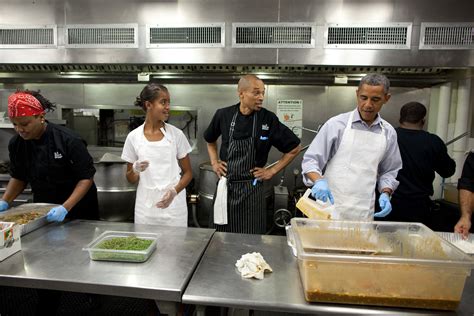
125 243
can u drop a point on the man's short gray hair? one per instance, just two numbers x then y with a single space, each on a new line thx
376 80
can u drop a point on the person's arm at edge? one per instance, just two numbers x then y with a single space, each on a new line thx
185 164
286 158
219 167
389 166
14 188
78 193
466 202
444 165
317 155
131 175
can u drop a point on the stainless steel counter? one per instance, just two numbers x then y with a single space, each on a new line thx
52 258
217 282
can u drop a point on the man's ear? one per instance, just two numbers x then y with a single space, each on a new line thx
387 97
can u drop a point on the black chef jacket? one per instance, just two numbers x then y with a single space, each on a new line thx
53 165
466 181
422 154
269 132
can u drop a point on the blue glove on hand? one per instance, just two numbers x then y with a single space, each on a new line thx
384 202
3 205
320 191
56 214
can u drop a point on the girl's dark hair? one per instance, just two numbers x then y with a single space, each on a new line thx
149 93
412 112
48 106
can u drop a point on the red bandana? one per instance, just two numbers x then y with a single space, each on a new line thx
23 104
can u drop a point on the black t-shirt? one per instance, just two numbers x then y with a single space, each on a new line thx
53 165
269 132
423 154
466 181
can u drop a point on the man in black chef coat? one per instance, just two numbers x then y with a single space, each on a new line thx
248 132
423 154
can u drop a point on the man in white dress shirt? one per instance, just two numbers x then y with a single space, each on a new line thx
353 154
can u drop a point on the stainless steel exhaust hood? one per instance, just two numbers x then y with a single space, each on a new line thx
302 42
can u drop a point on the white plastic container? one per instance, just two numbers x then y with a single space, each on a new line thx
315 209
10 241
456 239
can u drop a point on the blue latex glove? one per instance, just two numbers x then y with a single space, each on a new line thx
56 214
3 205
384 202
320 191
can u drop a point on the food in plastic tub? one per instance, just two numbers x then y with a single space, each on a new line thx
122 246
378 263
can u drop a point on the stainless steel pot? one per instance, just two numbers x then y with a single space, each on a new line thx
116 195
207 188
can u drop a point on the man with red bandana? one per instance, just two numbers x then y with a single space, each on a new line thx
51 158
353 154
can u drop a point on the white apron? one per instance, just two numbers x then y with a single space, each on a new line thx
162 172
352 173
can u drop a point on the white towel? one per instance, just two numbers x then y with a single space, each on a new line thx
220 204
252 265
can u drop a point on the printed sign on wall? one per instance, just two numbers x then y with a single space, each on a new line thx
290 113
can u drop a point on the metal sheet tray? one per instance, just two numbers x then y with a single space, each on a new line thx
466 246
27 208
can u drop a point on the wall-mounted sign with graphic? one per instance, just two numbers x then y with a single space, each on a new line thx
290 113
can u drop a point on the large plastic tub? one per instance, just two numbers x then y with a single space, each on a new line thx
378 263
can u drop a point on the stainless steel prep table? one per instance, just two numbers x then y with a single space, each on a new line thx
217 282
52 258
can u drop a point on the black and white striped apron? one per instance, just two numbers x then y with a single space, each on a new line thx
245 201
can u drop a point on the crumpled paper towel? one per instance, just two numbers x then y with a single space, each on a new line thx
252 265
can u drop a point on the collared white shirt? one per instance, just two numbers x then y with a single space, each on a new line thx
324 146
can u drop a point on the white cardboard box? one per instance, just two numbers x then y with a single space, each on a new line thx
10 241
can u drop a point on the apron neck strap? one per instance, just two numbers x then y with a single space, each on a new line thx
234 119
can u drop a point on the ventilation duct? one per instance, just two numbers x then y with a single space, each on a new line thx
368 36
195 35
273 35
28 36
447 36
102 36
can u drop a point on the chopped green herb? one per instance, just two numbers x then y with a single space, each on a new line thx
125 243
